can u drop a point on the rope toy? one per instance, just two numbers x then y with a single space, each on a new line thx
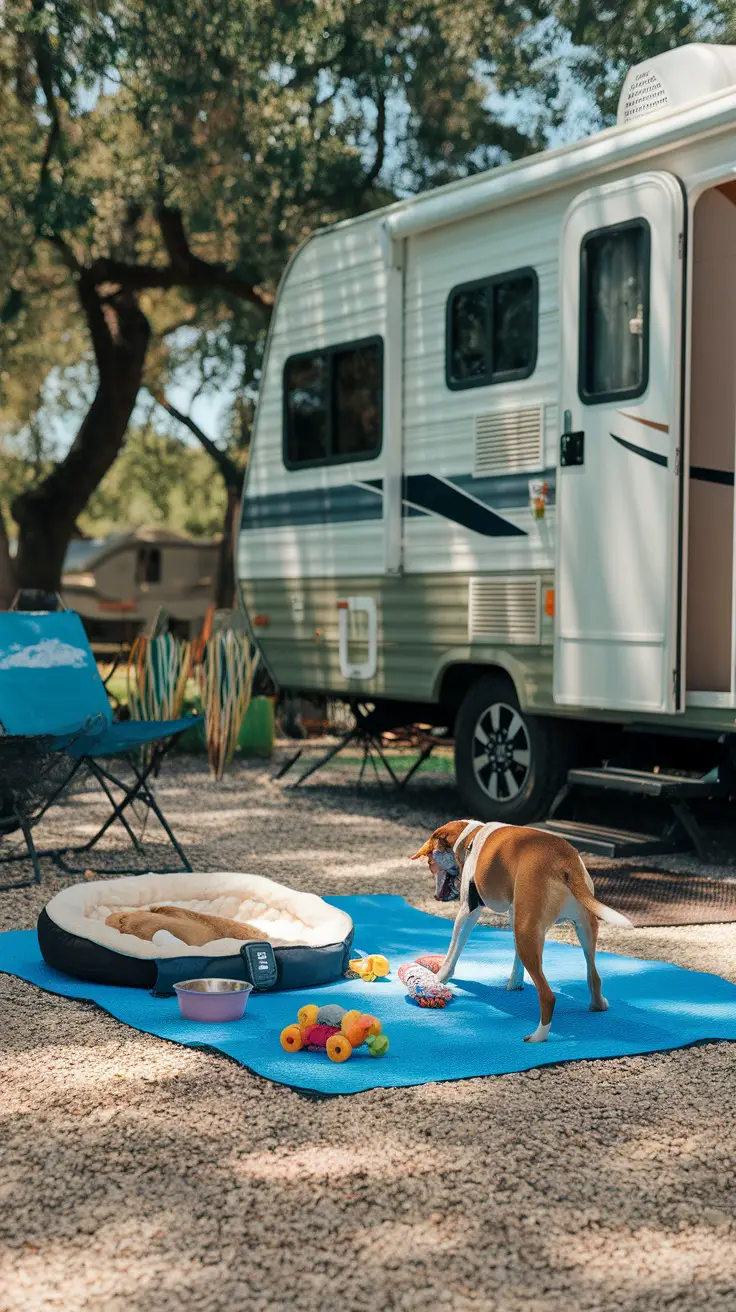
420 983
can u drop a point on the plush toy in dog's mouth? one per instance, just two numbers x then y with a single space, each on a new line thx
446 875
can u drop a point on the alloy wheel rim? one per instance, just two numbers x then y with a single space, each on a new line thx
501 752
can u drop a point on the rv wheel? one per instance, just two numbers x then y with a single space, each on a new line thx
508 765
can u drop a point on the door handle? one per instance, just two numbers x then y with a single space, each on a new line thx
572 449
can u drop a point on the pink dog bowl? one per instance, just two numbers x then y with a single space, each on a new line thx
212 999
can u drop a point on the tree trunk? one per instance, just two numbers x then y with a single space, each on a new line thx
225 591
46 514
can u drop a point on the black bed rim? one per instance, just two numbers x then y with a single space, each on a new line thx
72 954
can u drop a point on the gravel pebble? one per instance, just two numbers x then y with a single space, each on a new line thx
137 1176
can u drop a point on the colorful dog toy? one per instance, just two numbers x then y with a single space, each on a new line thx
369 968
337 1031
420 983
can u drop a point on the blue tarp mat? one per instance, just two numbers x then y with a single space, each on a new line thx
653 1007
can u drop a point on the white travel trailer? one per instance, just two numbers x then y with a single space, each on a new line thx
492 474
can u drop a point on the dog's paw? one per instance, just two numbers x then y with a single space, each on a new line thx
600 1005
539 1035
513 987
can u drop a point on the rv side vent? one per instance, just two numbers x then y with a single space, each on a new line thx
507 441
646 94
505 610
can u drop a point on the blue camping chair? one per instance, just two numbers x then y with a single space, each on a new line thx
55 720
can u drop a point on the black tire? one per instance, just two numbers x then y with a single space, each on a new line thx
527 756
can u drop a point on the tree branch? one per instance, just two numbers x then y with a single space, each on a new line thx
92 304
175 327
231 474
66 253
174 237
44 69
377 164
198 273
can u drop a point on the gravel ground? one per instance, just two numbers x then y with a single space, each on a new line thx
137 1175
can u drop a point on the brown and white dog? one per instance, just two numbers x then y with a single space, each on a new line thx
538 878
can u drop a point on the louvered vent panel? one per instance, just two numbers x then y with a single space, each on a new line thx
507 441
645 95
505 610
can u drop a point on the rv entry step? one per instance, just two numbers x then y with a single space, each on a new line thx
680 833
647 783
602 841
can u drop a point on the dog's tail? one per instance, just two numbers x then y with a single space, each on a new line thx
576 878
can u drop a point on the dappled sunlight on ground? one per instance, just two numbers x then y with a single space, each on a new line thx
138 1176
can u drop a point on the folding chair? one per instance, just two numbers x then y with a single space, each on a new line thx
53 702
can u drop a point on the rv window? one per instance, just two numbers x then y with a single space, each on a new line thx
307 409
148 565
492 330
356 400
333 403
470 336
614 312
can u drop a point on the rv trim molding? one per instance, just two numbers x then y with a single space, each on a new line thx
605 152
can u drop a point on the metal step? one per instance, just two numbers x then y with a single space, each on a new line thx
601 841
670 787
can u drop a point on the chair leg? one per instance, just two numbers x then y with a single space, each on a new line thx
153 804
139 789
33 854
376 744
317 765
423 756
129 796
102 781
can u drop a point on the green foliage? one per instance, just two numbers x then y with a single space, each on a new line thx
206 140
157 480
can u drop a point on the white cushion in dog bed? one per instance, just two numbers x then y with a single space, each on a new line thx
289 918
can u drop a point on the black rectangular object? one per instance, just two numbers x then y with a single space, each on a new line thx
646 783
572 449
261 964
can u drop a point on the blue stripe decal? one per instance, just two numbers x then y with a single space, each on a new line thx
443 499
409 512
324 505
644 451
462 499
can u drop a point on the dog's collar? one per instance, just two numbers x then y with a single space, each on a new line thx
469 829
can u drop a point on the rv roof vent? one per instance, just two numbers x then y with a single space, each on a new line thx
676 78
507 441
505 610
646 95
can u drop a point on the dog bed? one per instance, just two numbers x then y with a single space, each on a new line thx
311 940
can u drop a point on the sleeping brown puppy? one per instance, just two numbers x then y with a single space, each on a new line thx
194 928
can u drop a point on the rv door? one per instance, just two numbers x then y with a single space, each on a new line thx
618 616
